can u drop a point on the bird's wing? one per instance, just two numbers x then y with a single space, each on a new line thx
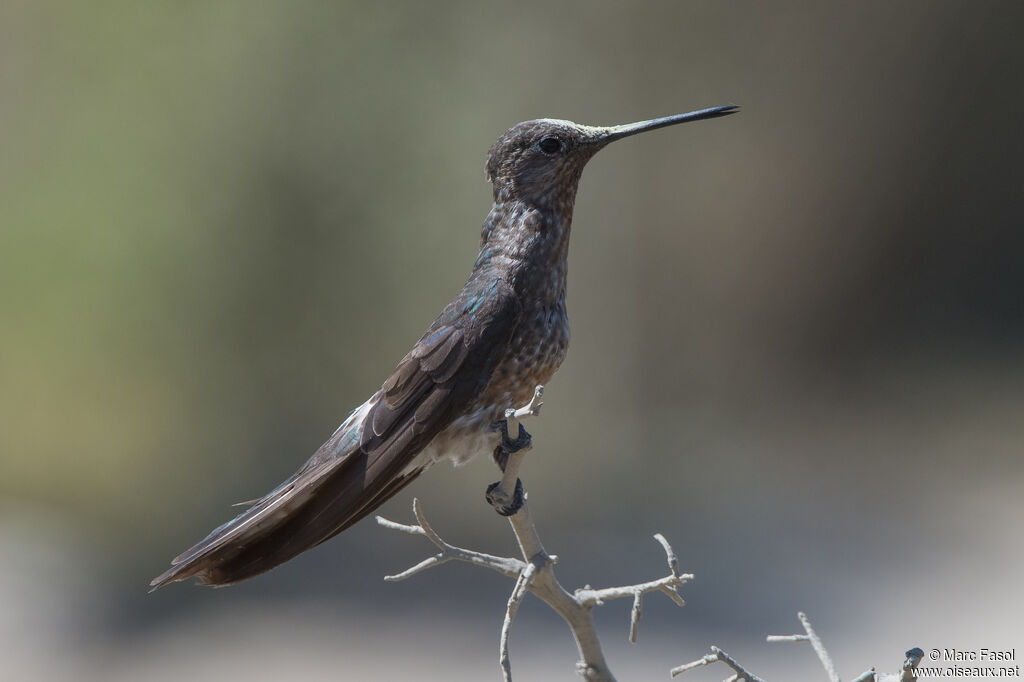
368 458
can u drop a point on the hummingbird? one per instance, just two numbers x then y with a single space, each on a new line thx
505 333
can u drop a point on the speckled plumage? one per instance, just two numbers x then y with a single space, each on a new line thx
506 332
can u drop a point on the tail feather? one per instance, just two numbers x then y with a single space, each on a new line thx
337 487
374 454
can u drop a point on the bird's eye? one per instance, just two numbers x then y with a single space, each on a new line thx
550 145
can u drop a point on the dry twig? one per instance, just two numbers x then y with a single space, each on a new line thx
812 637
740 673
535 572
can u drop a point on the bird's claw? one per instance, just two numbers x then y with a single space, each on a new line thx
498 498
508 445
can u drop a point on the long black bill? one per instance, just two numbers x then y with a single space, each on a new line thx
618 132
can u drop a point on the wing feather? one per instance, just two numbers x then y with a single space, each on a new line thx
367 459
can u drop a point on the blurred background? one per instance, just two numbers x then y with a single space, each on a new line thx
798 333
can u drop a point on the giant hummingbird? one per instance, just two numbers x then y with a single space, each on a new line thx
505 333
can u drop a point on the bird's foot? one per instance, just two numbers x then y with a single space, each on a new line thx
509 445
498 497
498 494
509 454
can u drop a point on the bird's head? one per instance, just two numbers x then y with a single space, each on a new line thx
543 159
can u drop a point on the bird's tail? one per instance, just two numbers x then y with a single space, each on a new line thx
338 486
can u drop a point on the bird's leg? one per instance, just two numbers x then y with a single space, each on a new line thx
508 446
506 495
497 496
514 437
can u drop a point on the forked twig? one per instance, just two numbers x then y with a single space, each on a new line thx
535 572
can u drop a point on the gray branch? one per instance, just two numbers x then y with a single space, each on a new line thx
716 655
506 566
669 585
514 600
819 646
535 573
907 674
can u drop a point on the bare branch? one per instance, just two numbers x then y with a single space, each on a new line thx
907 674
670 555
666 584
514 600
718 655
427 530
812 637
591 597
535 572
819 648
634 617
436 560
669 585
411 530
706 659
504 565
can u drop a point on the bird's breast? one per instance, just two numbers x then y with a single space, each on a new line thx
531 357
536 350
